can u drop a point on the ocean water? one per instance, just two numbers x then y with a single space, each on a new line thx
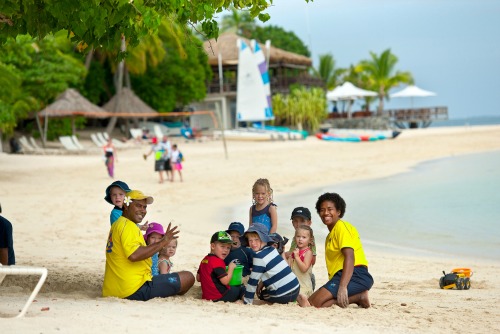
476 120
444 207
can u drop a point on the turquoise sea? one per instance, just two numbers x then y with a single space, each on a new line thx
445 207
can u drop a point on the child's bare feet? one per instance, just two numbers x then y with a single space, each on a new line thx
303 301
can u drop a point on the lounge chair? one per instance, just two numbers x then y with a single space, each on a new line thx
68 143
26 146
101 138
20 270
96 141
136 133
77 142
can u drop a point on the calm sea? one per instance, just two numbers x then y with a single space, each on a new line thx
445 207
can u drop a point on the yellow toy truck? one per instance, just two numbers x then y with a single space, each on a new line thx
459 278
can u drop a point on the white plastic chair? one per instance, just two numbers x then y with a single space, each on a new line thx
25 271
77 142
68 143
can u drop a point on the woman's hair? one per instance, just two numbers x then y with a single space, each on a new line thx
311 233
332 197
264 183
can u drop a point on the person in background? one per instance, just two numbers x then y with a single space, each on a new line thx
7 255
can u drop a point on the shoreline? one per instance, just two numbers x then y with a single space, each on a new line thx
61 222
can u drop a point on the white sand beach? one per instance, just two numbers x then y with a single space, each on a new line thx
61 222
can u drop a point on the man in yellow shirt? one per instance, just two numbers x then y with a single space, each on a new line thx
128 258
349 279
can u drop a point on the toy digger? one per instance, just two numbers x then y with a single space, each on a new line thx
459 278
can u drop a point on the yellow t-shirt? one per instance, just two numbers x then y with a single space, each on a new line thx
343 235
123 277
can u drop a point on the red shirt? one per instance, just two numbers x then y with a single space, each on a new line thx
211 270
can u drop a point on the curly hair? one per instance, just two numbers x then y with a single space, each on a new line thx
264 183
335 199
311 233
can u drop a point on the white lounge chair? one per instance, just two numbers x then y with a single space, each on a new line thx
27 148
101 138
77 142
68 143
136 133
20 270
96 141
158 132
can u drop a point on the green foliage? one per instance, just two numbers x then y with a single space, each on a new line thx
100 23
34 73
59 127
328 72
303 108
380 76
239 22
178 80
286 40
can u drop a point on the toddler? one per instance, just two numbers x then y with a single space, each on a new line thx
176 162
164 262
212 271
302 216
240 255
279 243
115 194
278 283
153 234
263 210
301 259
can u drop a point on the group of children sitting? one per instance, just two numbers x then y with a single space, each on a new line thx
257 254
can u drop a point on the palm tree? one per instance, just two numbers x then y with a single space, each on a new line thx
327 72
239 22
381 76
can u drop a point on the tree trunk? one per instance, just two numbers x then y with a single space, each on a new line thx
118 85
88 58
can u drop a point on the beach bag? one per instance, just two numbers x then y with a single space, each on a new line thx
181 157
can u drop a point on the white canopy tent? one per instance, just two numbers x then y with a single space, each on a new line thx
347 91
413 91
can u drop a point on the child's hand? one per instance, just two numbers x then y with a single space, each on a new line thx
296 253
144 226
231 265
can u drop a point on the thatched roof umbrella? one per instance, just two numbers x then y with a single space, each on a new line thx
128 103
227 47
70 103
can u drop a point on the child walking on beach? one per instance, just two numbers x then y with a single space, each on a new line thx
278 284
165 263
115 194
301 258
153 234
212 271
263 211
176 162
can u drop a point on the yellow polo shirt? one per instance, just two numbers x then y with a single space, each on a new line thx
123 277
343 235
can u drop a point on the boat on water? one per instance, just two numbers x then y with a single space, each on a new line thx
249 134
357 135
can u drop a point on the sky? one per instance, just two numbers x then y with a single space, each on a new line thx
452 47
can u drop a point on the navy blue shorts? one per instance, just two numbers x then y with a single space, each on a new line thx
234 293
361 280
163 285
285 299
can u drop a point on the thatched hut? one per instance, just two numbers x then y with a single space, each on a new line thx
128 102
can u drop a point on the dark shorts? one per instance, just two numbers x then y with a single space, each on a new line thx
285 299
361 280
234 293
168 166
163 285
159 165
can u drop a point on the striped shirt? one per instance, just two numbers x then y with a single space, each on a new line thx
275 273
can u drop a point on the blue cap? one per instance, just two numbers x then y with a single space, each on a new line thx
236 226
120 184
261 230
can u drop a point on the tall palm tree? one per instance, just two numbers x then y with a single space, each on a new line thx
381 76
328 72
239 22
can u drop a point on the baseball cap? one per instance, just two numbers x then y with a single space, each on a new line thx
154 227
139 195
120 184
301 212
221 236
261 230
236 226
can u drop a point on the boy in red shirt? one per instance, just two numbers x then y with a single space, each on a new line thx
212 271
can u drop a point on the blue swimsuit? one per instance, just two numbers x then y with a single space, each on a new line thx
262 216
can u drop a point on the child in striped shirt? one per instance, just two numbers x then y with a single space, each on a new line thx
278 284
